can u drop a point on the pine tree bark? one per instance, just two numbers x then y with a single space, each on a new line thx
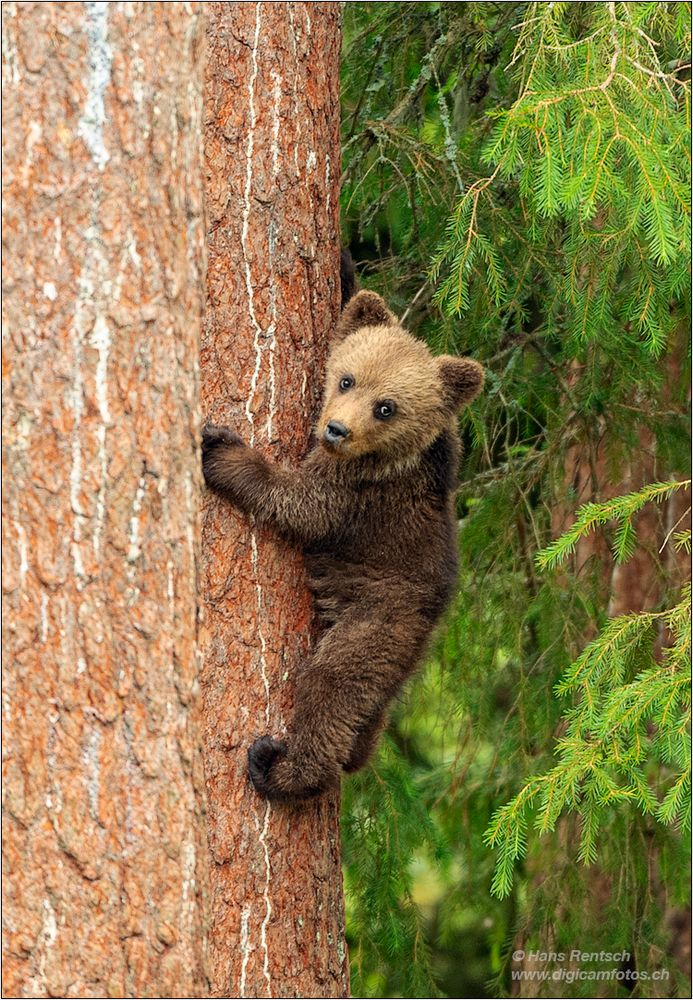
105 851
272 158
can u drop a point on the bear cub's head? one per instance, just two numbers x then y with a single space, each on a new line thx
385 393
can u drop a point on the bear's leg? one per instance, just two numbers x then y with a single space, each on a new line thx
365 743
357 667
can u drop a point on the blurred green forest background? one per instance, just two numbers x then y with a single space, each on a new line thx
516 183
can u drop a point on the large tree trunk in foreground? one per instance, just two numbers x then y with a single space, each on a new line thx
272 156
104 841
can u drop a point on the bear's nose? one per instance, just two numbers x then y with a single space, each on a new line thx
335 432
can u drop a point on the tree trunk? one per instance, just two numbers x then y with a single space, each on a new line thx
104 843
272 156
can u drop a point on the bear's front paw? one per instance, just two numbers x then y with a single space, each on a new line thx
218 445
262 755
213 436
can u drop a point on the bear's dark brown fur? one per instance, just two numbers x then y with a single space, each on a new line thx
372 507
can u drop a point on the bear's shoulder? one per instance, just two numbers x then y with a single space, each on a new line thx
440 464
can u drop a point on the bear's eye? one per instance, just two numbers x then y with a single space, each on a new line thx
384 409
346 382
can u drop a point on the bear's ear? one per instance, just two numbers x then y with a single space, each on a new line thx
462 380
365 309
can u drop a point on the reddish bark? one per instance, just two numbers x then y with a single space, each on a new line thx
103 252
272 157
592 475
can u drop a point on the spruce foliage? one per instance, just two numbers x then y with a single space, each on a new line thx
515 182
626 738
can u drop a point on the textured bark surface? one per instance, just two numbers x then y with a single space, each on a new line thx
105 850
272 158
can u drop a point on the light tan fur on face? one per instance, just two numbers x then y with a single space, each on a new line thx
387 364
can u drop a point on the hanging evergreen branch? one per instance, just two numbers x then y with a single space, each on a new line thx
621 509
596 147
631 713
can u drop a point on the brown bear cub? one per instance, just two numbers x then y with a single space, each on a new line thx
373 508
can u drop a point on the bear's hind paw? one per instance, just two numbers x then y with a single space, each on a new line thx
275 774
261 756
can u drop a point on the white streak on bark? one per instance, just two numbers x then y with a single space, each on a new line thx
304 386
49 930
311 159
170 592
265 827
258 334
245 949
91 280
295 87
76 466
33 136
277 95
132 251
188 887
47 937
266 898
134 535
92 765
58 244
10 61
44 616
101 340
100 58
272 331
190 521
250 145
50 925
272 347
138 88
101 496
260 616
51 762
